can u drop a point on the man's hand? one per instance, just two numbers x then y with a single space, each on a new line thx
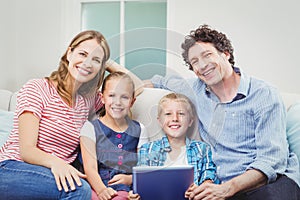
208 190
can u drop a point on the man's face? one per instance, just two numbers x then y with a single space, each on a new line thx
210 65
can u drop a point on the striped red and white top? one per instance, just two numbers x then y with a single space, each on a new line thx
60 124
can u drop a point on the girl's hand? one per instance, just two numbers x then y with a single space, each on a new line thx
63 173
132 196
107 194
121 179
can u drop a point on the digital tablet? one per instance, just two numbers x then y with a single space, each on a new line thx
162 183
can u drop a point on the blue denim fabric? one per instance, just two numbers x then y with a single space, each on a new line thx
21 180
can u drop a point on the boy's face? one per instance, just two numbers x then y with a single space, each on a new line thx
175 118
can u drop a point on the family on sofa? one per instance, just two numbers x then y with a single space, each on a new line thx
242 119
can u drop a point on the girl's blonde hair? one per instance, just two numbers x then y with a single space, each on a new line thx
61 74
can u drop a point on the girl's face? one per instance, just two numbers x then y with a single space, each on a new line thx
118 98
175 118
85 61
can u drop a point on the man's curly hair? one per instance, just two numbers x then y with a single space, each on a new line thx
205 34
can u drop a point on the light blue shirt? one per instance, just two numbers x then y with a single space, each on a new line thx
246 133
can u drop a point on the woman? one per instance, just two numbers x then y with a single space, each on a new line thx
36 161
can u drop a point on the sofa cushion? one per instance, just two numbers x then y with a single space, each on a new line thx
6 124
293 128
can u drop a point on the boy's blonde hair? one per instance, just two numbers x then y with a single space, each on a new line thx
178 98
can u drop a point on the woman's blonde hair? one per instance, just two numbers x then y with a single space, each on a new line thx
61 74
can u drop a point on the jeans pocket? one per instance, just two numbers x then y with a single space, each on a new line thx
3 163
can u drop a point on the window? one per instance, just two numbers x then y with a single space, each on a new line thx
135 30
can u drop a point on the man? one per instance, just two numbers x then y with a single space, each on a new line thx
242 118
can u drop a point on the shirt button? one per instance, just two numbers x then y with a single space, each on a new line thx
119 136
120 162
120 146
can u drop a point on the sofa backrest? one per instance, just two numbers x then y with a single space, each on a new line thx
5 99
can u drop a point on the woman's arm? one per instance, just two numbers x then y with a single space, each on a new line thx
249 180
28 135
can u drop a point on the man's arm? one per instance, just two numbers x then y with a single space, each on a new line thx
249 180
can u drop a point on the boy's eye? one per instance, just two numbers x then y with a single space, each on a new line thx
111 95
167 113
207 55
181 113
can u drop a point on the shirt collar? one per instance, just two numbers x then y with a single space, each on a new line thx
244 84
166 145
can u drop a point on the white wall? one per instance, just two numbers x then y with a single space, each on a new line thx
264 33
31 38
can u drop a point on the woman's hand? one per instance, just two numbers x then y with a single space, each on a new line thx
65 174
107 194
121 179
132 196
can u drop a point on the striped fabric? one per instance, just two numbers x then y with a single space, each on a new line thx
60 124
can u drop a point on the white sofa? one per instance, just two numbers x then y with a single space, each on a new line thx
145 109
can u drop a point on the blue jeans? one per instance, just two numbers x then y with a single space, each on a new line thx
19 180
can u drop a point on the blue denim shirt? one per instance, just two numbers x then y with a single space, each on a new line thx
198 155
245 133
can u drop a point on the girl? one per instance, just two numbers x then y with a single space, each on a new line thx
35 162
109 144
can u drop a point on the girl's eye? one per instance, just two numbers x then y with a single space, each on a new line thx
125 97
111 95
181 113
167 114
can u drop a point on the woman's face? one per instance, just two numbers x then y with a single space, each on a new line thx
85 61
